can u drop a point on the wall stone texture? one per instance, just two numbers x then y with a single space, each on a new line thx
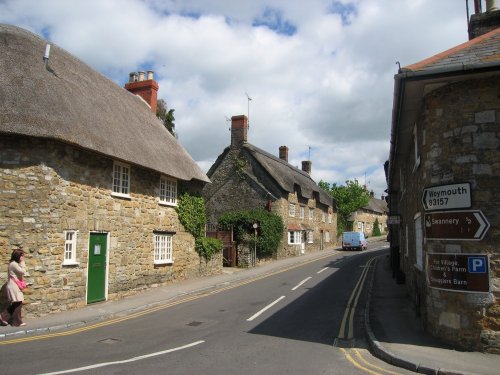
458 136
47 187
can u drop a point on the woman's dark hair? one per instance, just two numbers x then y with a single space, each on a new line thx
16 255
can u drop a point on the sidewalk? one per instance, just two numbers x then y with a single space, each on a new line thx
396 335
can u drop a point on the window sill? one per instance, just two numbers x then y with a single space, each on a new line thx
164 263
71 263
120 195
167 204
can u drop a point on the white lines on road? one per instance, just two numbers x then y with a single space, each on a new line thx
279 299
134 359
301 283
264 309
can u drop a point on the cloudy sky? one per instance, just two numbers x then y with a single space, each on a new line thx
319 73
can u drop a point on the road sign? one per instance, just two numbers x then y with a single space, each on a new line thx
446 197
456 225
458 272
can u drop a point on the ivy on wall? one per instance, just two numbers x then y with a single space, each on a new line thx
192 215
269 231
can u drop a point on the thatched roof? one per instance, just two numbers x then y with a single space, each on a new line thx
287 177
72 103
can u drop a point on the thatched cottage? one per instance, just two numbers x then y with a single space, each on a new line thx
89 179
247 177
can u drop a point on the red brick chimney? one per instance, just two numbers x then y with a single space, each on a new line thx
239 130
145 88
284 153
306 166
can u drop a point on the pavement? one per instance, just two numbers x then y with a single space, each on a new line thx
402 343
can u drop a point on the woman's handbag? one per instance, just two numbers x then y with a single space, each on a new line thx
20 283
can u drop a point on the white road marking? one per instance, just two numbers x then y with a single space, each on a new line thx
134 359
301 283
324 269
264 309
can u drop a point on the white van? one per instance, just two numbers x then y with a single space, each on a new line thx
354 240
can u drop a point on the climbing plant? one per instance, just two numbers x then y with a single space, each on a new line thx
269 231
192 215
376 228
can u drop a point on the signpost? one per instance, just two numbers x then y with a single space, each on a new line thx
446 197
468 225
458 272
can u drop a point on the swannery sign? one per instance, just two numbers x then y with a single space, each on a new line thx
458 272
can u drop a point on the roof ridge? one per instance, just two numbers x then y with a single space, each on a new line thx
430 60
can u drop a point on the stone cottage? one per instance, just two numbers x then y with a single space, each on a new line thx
363 219
444 188
89 179
246 177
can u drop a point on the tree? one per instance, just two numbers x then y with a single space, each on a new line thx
349 198
166 116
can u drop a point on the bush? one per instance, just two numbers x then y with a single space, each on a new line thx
269 231
207 247
376 229
193 217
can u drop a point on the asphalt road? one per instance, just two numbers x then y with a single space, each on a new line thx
305 320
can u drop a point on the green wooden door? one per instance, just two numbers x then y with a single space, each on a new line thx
96 288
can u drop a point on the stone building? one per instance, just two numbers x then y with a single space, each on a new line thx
444 188
88 181
246 177
363 220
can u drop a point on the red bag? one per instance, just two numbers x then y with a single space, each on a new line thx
20 283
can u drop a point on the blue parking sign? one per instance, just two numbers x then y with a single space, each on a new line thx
477 264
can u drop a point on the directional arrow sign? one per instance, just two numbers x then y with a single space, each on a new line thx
446 197
456 225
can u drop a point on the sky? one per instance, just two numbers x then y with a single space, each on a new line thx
316 76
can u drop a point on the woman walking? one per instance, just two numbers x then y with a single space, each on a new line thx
13 289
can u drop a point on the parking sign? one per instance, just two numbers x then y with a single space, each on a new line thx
477 264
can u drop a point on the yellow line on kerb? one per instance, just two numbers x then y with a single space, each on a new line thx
356 364
352 303
156 308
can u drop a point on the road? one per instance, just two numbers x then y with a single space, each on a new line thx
304 320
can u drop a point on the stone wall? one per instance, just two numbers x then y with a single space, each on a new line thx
458 141
48 187
316 225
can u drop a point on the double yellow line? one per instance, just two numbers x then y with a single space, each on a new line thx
352 305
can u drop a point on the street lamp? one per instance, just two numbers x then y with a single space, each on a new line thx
255 226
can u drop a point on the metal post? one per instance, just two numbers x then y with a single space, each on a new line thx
255 226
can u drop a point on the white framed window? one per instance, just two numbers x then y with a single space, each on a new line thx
168 191
70 237
291 209
327 236
302 212
360 225
311 213
121 179
163 248
294 237
310 238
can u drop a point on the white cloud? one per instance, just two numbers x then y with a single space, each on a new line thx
320 75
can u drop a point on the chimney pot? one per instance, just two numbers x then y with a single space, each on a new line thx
239 130
148 90
283 153
150 74
306 166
